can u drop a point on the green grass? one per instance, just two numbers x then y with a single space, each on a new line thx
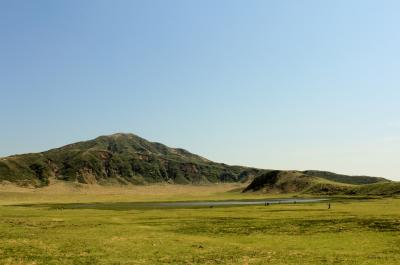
352 232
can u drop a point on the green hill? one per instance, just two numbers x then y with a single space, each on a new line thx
378 189
127 158
343 178
118 158
278 181
326 183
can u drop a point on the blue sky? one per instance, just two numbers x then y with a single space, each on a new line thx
273 84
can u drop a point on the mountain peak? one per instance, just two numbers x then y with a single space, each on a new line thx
122 134
117 158
127 158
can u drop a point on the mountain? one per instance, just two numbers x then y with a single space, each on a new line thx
278 181
118 158
127 158
321 182
343 178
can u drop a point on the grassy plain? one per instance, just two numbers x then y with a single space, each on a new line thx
54 227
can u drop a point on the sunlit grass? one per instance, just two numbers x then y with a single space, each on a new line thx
351 232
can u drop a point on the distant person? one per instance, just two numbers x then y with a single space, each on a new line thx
329 205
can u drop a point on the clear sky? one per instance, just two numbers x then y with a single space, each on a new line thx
273 84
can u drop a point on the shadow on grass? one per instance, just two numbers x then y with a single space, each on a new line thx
243 226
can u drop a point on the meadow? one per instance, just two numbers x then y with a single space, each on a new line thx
64 228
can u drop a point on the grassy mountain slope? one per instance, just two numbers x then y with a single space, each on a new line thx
343 178
119 158
290 182
379 189
325 183
127 158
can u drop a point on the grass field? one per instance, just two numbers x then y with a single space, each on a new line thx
49 232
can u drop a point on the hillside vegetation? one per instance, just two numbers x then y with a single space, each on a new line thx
343 178
325 183
129 159
118 158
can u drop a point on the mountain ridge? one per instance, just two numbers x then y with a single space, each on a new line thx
126 158
321 183
122 158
